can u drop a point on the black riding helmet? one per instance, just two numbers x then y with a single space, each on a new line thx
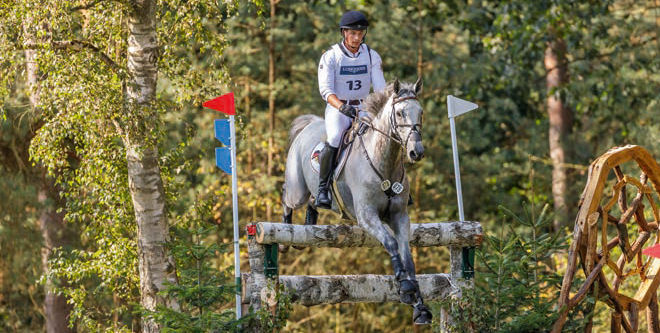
353 20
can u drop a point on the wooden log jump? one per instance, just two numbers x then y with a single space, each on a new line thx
460 234
308 290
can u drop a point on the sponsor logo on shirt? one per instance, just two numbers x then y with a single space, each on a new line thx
353 70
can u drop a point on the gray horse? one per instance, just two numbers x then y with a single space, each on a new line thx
372 184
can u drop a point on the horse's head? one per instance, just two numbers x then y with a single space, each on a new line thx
406 118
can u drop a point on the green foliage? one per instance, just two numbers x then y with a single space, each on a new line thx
264 318
516 285
20 258
204 286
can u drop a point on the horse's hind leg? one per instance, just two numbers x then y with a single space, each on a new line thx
290 201
312 214
287 212
294 196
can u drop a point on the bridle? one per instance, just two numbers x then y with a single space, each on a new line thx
386 185
394 126
393 133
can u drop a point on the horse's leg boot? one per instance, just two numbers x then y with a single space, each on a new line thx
407 288
326 158
407 292
422 315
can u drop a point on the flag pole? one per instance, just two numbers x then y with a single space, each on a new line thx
457 169
226 105
234 199
455 108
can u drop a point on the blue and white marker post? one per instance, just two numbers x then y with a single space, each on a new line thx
225 159
457 107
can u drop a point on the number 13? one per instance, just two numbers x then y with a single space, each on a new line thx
356 86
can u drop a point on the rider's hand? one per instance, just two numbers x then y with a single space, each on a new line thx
348 110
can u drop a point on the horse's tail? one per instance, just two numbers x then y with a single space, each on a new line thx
299 124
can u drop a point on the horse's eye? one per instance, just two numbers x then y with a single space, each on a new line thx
398 114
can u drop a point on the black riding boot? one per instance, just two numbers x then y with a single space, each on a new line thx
326 159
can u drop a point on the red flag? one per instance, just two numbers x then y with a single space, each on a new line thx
653 251
224 104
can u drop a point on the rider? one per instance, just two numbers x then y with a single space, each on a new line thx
346 73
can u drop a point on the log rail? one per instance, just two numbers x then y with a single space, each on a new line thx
309 290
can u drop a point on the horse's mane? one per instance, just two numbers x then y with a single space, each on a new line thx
375 102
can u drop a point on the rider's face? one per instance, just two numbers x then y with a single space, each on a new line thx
354 38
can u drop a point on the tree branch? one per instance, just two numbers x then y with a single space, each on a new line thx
85 6
76 45
598 56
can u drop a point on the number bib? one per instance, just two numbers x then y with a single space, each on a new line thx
352 76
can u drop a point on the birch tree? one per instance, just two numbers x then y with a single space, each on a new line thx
102 108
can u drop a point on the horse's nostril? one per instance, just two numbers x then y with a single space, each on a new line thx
416 156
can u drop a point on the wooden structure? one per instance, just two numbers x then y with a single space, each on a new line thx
612 226
264 237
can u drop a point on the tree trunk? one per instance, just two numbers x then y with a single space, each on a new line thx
271 99
52 226
420 37
51 223
560 117
145 182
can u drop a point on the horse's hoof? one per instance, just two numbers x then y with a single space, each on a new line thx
283 248
407 292
422 315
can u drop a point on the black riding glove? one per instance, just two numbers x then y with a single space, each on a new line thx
348 110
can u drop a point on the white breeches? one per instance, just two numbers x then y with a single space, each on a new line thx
336 123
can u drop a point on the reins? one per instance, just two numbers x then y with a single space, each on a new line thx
386 185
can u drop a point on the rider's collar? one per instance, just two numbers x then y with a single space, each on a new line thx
347 52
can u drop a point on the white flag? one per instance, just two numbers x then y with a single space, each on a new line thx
458 106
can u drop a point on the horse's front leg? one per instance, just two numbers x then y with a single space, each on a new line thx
369 220
400 224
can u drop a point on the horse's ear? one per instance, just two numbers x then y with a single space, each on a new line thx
418 86
396 86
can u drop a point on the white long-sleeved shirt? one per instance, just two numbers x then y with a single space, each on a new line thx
348 75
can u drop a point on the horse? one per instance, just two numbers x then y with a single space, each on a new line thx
372 184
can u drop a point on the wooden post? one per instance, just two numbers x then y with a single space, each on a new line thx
633 316
256 258
615 326
653 325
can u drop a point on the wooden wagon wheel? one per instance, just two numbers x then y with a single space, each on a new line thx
611 229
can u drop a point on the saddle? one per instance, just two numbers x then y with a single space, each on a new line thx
344 151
